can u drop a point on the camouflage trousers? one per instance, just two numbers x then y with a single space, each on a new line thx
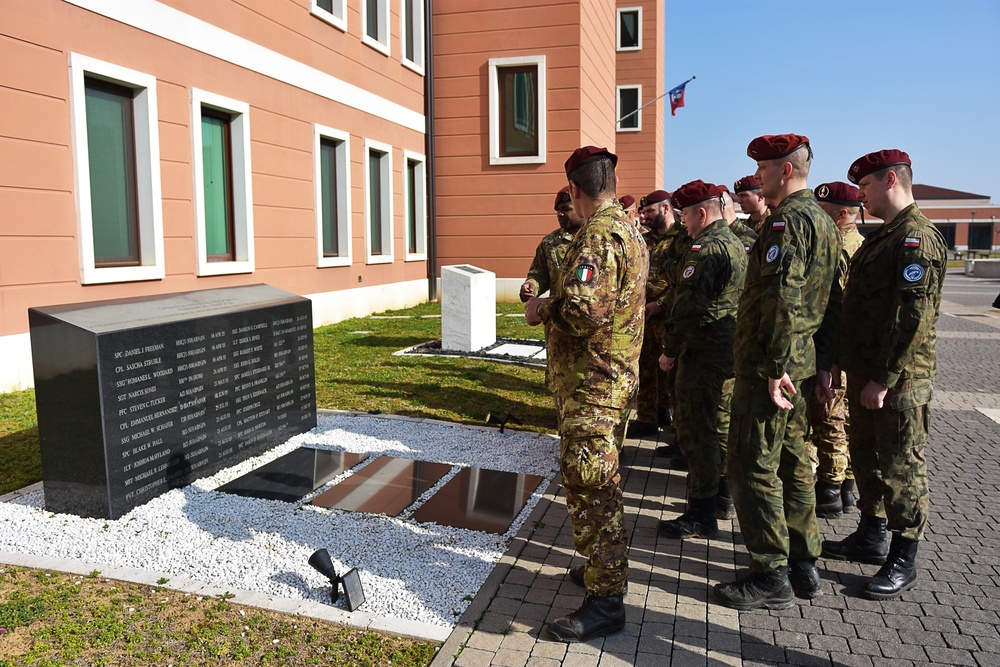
827 447
699 386
770 476
887 453
722 425
590 439
654 390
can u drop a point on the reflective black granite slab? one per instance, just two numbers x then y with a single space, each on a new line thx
479 499
387 486
137 396
294 475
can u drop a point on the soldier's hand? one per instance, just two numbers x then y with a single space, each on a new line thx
873 395
823 387
775 386
531 312
527 291
837 379
653 308
666 363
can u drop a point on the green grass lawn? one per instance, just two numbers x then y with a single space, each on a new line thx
57 619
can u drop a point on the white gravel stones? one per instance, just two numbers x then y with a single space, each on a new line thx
410 571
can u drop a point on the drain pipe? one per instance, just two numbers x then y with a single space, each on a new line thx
429 150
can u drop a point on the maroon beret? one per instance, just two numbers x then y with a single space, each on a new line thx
774 146
750 182
562 197
583 155
838 192
873 162
693 193
626 200
654 197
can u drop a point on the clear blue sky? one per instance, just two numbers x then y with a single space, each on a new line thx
854 76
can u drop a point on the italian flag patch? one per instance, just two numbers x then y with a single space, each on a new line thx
585 272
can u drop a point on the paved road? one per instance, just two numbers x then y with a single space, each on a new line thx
951 617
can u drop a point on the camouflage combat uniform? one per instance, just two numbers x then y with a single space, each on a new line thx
746 235
891 306
699 332
595 334
653 396
827 447
668 270
784 325
545 267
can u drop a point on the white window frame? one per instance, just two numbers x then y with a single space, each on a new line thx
338 19
243 241
343 196
618 28
383 27
416 65
147 165
421 201
494 65
618 107
387 233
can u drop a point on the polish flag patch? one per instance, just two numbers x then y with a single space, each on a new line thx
912 242
696 247
778 225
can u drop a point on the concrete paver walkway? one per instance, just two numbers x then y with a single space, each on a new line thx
950 618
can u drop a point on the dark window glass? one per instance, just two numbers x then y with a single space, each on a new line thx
371 27
330 190
217 177
375 201
518 110
325 4
628 102
412 183
628 30
410 25
111 157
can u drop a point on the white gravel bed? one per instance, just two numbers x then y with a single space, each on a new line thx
411 571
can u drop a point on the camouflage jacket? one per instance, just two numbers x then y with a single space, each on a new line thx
892 301
852 239
746 235
656 284
791 299
595 329
545 267
707 295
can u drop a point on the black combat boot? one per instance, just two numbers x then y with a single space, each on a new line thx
576 575
769 590
598 617
698 521
638 429
663 419
867 544
849 495
828 502
804 578
725 510
899 572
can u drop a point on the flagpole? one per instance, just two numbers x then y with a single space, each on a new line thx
632 113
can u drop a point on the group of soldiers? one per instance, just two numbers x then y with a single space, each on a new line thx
757 343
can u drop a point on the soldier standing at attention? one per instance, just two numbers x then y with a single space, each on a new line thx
790 276
887 336
829 420
751 202
543 274
698 336
653 401
628 205
746 235
595 334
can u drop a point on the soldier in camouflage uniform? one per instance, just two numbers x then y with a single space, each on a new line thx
746 235
784 332
543 274
827 446
653 400
698 335
886 346
751 202
595 334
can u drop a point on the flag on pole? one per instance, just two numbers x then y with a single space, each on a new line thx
677 98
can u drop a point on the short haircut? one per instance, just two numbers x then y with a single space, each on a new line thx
904 174
801 158
595 178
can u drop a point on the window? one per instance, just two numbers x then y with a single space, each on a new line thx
415 215
412 31
517 110
333 12
629 115
630 29
333 197
222 198
375 24
378 205
117 164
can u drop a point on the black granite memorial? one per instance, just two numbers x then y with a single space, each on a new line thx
293 476
137 396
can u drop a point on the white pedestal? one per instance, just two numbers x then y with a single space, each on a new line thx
468 308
